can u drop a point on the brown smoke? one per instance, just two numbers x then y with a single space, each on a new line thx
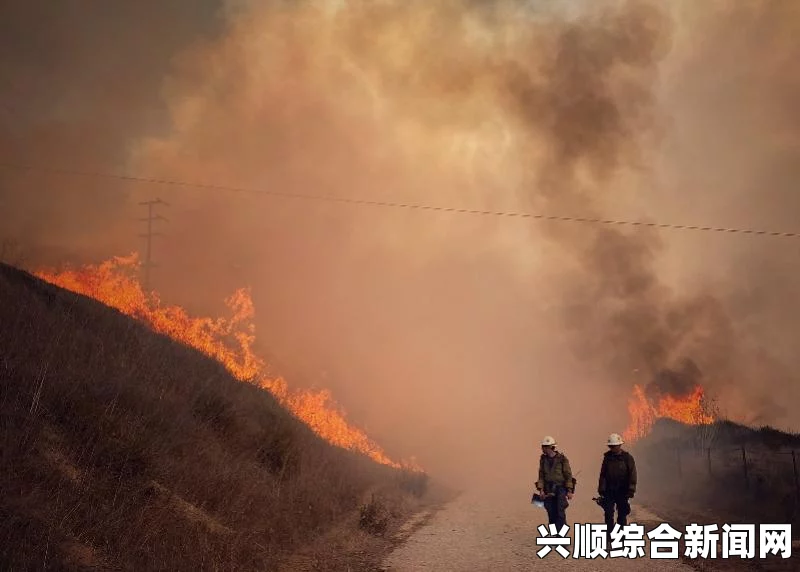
481 331
79 81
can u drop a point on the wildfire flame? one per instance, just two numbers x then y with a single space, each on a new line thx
228 340
689 409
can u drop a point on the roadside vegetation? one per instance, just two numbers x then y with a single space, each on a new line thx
722 473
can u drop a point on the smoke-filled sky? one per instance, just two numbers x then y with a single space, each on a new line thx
461 339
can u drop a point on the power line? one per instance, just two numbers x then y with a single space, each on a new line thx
410 206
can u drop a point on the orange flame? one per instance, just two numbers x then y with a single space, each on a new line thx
689 409
229 341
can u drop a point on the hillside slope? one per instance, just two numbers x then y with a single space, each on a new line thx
121 449
721 471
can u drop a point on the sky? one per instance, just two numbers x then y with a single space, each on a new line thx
460 339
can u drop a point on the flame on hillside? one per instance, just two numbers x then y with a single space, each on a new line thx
228 340
690 409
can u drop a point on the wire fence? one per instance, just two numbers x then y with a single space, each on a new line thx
752 463
754 468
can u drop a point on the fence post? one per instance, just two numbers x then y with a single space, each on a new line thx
744 464
796 479
708 455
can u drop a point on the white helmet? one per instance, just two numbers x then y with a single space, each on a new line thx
615 439
548 441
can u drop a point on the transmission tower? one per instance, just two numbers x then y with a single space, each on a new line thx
152 216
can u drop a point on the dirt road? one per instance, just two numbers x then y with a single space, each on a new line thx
476 533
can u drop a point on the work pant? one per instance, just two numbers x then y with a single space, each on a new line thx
618 501
556 507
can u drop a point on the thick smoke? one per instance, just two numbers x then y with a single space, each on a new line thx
593 103
79 81
484 332
678 382
732 151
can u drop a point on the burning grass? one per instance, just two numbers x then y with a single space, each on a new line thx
690 409
121 448
227 340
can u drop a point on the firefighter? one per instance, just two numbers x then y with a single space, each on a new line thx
617 482
555 483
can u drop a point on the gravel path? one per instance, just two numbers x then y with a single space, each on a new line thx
476 533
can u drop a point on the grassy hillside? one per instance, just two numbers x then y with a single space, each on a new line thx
121 449
721 471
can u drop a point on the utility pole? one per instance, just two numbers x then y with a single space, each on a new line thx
151 217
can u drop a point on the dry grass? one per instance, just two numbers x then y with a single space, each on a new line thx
693 490
712 477
120 449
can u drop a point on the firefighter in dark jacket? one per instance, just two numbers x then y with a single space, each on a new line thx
555 482
617 482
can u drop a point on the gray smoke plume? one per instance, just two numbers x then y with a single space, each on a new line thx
678 382
595 103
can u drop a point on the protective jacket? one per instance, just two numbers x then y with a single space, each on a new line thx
554 472
617 474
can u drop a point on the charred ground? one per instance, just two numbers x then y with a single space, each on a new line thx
122 449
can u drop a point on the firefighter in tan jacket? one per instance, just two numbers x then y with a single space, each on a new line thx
555 482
